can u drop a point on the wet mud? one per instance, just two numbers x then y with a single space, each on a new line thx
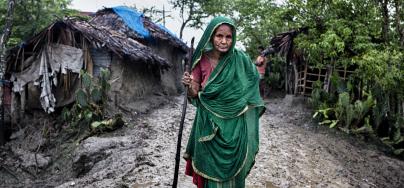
294 152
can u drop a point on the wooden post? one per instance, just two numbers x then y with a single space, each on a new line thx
286 78
304 79
3 41
296 78
344 72
327 79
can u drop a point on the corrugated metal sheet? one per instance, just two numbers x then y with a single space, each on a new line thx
102 58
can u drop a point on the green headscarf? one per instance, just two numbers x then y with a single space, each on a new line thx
224 137
205 43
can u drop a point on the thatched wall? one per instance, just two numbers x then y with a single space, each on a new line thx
131 83
171 78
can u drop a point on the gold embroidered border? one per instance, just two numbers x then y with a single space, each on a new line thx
209 137
215 179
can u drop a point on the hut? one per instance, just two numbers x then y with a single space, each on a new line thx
144 59
300 77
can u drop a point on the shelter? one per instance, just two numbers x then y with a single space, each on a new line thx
299 75
144 59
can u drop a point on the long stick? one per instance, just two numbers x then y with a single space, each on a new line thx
184 109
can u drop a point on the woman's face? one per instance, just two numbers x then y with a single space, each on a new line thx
222 39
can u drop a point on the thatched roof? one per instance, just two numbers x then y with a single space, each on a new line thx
117 42
108 18
105 30
283 42
68 30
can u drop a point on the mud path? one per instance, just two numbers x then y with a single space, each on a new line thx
293 153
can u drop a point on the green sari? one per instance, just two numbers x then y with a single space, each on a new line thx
224 138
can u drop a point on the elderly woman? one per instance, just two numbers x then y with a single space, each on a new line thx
223 85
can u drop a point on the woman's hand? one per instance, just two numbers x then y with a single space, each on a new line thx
187 79
193 87
259 61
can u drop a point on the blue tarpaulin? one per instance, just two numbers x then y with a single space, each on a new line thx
166 30
133 20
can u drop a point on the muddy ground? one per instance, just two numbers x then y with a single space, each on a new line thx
294 152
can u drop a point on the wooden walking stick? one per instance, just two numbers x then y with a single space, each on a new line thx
188 66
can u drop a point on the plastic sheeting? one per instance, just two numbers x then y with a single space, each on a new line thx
28 75
64 57
47 98
57 58
133 20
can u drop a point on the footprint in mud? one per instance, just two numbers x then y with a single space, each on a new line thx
143 185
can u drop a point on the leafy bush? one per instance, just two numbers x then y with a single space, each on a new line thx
275 73
90 100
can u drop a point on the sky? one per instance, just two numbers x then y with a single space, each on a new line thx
173 24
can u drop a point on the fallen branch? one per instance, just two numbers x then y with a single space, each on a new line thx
9 172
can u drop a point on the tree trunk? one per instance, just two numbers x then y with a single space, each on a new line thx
3 41
6 33
182 29
385 14
400 30
185 21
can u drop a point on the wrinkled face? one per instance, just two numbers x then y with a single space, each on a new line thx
222 39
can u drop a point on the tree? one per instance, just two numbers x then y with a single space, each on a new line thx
359 34
191 13
31 16
257 20
385 13
154 14
398 5
3 40
6 32
365 35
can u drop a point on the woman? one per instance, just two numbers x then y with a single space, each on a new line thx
261 64
223 86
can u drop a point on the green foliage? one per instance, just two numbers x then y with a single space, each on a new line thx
339 84
107 125
96 95
191 12
257 20
324 114
275 73
383 68
365 129
86 80
349 34
32 16
341 34
90 100
347 114
81 98
344 110
317 95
